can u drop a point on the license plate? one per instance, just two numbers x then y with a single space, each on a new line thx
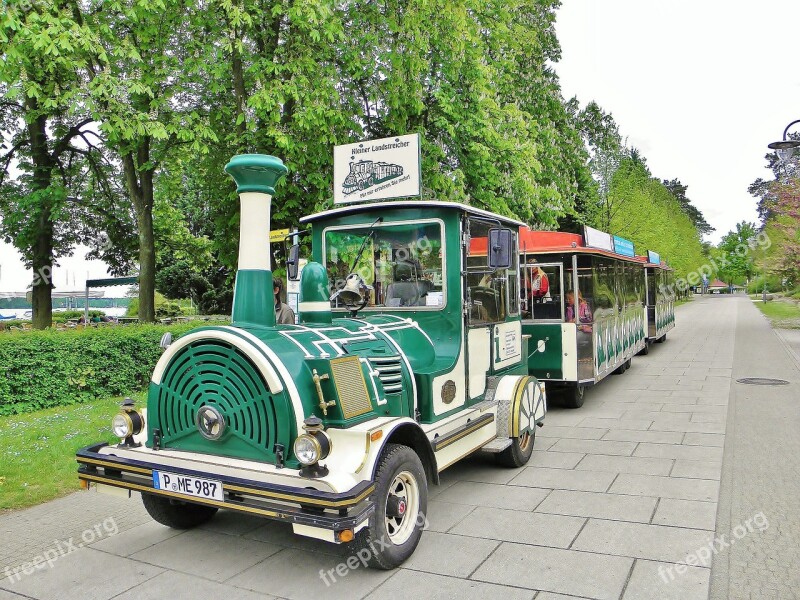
188 486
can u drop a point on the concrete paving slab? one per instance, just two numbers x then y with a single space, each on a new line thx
615 507
697 469
638 540
704 439
594 447
436 551
584 433
525 528
412 585
443 515
483 468
136 539
300 575
686 513
4 595
555 460
666 487
688 427
626 464
563 479
656 437
597 576
624 422
179 586
707 418
648 582
207 554
85 574
678 451
497 496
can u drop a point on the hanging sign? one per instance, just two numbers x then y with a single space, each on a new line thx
594 238
377 169
623 246
653 257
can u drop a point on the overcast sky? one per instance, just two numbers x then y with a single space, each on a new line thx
700 87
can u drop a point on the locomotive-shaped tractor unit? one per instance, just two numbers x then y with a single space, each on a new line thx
408 356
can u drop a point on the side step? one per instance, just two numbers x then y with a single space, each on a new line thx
497 445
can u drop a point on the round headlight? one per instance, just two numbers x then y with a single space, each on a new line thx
307 449
122 425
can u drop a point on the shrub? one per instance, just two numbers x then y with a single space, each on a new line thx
41 369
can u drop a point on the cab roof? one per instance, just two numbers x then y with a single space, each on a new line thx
377 206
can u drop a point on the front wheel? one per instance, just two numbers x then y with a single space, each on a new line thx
401 502
176 514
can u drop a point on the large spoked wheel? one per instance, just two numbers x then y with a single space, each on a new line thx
177 514
574 396
401 501
523 429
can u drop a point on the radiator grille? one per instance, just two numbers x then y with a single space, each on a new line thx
213 372
390 372
350 386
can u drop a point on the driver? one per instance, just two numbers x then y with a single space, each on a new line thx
284 315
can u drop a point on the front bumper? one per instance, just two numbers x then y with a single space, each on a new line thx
298 505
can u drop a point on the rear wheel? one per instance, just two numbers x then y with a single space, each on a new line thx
177 514
573 396
662 339
519 452
401 501
646 350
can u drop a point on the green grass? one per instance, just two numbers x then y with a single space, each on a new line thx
781 314
37 450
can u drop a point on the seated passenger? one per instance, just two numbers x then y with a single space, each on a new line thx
584 312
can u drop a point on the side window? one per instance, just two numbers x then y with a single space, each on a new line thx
541 291
487 290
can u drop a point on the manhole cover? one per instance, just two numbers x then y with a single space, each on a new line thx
761 381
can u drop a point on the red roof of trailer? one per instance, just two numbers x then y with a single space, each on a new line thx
545 242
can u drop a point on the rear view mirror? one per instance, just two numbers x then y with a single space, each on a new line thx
293 262
500 248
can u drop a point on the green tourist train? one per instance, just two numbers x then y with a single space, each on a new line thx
425 331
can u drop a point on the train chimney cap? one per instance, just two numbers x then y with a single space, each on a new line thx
256 172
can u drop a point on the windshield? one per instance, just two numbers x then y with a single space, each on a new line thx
402 262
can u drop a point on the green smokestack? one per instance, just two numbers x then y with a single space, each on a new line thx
255 176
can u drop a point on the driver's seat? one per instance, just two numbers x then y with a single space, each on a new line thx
405 290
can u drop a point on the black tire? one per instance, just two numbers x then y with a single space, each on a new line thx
646 350
375 541
518 453
573 396
662 339
177 514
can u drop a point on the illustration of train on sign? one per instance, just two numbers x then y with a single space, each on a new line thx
367 173
426 331
408 356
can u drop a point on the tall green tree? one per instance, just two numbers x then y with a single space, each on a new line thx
146 101
46 52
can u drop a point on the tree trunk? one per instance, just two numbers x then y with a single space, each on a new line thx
139 182
42 249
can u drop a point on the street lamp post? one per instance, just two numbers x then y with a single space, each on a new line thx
785 148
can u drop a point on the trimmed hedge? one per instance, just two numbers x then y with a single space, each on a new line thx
40 369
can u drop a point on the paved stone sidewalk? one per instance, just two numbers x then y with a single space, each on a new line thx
761 473
617 492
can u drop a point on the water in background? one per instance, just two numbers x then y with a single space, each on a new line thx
25 313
